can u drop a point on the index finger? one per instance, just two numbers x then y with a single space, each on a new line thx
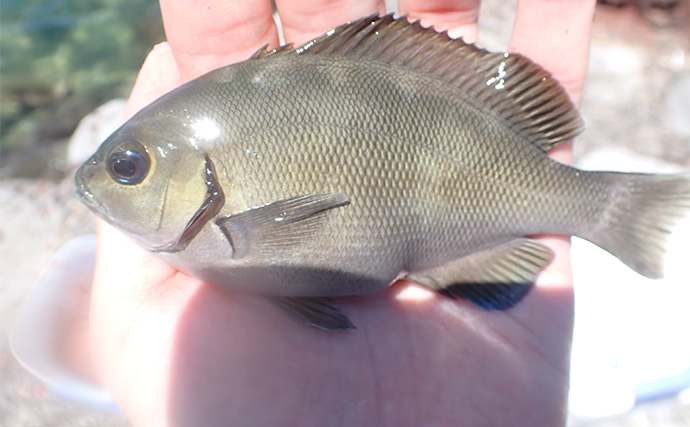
556 35
206 34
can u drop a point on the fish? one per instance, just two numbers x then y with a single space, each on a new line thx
378 151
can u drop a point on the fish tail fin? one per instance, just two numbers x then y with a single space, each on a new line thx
643 211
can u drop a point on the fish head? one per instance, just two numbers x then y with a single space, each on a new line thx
151 180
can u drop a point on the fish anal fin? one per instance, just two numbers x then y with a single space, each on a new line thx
489 296
494 279
279 226
320 312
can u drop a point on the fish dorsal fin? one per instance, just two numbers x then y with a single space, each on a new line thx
521 92
263 51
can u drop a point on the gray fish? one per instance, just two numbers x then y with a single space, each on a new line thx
378 151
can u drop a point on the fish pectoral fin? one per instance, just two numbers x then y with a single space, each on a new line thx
280 225
321 312
494 279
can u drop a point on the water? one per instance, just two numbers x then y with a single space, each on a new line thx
59 59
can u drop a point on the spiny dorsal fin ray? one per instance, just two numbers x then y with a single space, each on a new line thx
525 95
263 51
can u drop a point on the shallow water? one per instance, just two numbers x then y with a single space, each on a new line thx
59 60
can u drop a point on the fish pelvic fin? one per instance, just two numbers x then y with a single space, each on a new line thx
494 279
643 211
320 312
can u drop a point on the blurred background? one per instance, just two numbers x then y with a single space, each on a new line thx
60 59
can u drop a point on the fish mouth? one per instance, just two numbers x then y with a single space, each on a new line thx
86 196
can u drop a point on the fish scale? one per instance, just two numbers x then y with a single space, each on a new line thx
370 155
377 151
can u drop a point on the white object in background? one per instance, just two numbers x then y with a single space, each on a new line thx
93 129
40 334
630 341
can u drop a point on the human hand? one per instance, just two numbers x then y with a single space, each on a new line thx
175 351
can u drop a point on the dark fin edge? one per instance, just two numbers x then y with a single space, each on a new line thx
494 279
489 296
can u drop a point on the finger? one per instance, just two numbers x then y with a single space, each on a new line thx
158 75
556 35
459 17
207 34
303 20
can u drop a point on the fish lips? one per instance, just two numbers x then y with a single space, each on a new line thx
85 195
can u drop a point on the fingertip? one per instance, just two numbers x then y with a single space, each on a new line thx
207 34
556 35
305 20
459 18
158 75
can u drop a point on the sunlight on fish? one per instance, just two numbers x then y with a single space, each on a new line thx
380 150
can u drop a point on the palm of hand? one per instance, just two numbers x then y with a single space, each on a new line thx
196 353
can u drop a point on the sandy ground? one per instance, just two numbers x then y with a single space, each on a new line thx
638 68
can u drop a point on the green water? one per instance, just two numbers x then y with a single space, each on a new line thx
60 59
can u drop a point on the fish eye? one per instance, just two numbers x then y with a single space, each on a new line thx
128 163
